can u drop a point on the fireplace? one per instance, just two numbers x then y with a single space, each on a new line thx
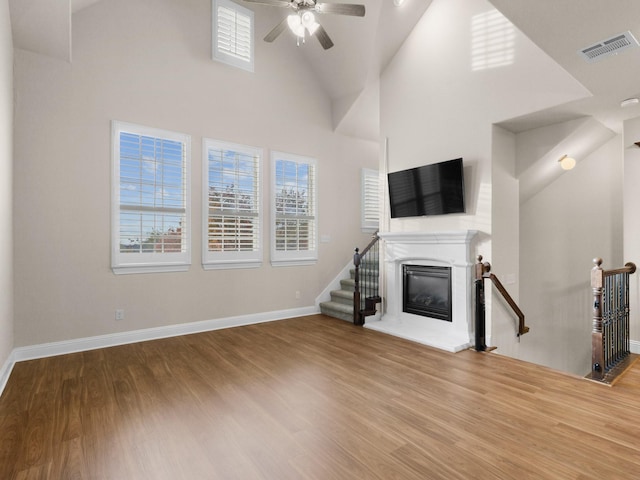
449 253
427 291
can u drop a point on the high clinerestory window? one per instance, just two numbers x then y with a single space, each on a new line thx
150 200
294 220
370 200
232 34
232 206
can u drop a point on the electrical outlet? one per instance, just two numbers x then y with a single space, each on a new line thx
119 314
297 294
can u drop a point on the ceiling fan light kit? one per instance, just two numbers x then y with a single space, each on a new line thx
309 22
295 25
303 19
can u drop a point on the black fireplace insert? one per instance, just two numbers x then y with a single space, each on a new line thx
427 291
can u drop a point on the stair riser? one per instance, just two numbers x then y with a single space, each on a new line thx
345 300
349 285
337 310
334 314
375 274
339 296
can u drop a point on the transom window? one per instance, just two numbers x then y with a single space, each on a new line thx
232 213
370 200
151 198
294 224
232 34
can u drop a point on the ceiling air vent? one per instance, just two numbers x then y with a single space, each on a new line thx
606 48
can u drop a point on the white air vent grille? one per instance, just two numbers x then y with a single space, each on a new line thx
608 47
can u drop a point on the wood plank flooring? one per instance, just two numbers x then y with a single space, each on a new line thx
311 398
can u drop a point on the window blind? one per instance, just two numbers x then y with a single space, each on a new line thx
370 199
295 197
233 34
152 194
152 206
233 206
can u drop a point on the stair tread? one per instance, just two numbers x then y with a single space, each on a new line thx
351 281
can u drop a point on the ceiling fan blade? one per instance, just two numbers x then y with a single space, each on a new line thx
271 3
323 37
277 30
341 9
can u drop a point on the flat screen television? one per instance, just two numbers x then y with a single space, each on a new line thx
435 189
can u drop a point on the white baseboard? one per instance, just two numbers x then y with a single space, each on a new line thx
111 340
6 371
634 346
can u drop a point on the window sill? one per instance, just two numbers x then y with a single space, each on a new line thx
136 269
296 262
230 265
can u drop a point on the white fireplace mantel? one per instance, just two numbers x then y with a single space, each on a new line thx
448 249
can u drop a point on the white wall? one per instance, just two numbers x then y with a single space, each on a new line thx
149 62
562 228
6 190
505 242
436 103
631 135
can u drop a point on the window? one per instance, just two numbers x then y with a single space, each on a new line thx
232 207
232 34
294 222
370 200
150 229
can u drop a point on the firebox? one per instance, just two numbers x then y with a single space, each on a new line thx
427 291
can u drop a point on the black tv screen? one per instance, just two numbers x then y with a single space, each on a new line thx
435 189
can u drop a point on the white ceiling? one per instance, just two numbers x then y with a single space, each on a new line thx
363 46
563 27
350 70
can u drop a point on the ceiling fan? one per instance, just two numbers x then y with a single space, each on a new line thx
303 20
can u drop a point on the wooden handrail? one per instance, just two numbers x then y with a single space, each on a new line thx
629 267
483 270
522 328
367 248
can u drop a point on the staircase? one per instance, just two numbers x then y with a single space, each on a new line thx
341 303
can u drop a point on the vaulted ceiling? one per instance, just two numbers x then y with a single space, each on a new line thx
562 29
349 71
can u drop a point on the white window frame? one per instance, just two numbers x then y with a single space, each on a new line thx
370 206
231 259
239 35
295 257
149 262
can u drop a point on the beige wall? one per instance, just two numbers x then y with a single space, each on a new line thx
6 162
149 62
562 228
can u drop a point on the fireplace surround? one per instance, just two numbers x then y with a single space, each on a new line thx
452 250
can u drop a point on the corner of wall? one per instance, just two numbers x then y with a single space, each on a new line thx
6 193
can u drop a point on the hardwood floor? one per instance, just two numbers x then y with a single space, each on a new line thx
310 398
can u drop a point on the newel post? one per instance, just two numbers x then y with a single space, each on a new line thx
480 325
597 347
356 292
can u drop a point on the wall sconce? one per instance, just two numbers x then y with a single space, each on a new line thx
398 3
567 162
